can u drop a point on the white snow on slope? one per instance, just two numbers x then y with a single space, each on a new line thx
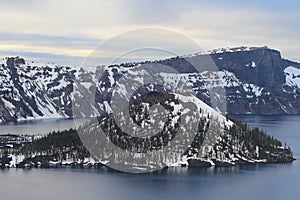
251 88
34 78
209 110
222 79
211 79
292 76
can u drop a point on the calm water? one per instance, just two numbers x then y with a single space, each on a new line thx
43 126
252 182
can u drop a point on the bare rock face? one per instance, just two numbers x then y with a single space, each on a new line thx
256 79
269 83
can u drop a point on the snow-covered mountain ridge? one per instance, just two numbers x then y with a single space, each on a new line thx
256 81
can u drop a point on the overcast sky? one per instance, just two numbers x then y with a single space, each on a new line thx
66 31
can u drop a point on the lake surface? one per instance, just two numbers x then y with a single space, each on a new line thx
34 127
272 181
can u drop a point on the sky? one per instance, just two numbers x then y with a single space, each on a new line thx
66 32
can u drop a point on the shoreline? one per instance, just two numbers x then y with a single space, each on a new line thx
109 169
45 162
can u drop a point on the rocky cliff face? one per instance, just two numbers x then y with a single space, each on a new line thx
256 81
268 83
32 90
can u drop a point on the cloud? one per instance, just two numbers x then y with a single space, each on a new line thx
73 29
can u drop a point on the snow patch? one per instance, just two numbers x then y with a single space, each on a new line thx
252 64
251 88
292 77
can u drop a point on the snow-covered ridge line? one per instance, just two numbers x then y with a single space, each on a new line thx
225 50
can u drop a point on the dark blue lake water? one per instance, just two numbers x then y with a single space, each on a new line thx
274 181
41 126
